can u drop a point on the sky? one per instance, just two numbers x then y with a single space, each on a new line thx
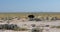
29 5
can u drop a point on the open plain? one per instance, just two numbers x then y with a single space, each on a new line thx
40 22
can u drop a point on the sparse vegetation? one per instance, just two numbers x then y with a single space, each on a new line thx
19 16
12 27
33 25
37 19
55 27
8 26
2 15
37 30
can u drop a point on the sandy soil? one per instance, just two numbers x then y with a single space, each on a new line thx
28 25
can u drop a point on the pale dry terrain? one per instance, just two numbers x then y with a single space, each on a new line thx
28 25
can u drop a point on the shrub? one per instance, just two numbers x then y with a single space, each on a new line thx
37 30
8 26
33 25
12 27
31 19
23 29
57 26
37 19
1 26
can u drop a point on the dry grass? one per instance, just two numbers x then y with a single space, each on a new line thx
26 14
